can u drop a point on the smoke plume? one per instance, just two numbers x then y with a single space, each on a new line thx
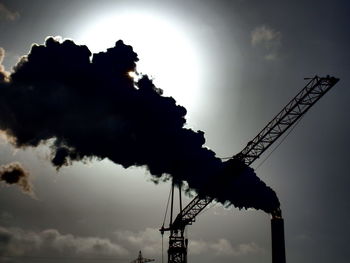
13 173
93 109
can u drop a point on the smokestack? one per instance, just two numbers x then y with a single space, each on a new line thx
277 238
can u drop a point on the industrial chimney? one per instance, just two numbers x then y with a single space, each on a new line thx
277 237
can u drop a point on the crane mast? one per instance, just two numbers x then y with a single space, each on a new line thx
294 110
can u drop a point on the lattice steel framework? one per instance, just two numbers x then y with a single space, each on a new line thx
297 107
177 252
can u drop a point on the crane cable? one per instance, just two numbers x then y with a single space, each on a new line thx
162 247
167 206
162 233
274 149
283 139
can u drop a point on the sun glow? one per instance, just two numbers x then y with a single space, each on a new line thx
166 52
132 74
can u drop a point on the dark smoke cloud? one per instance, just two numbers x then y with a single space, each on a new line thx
14 173
93 109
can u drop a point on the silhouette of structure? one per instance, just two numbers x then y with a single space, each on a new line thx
141 259
277 239
293 111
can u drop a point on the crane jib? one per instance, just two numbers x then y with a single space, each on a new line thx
292 112
296 108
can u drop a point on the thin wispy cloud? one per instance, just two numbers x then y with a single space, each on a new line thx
8 15
223 247
2 68
50 242
267 39
148 241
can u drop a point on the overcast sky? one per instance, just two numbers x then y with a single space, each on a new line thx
244 60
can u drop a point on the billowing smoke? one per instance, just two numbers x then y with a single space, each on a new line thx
13 173
93 109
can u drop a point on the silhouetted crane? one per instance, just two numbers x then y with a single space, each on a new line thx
141 259
293 111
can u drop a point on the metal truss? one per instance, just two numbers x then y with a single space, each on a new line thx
188 215
296 108
177 252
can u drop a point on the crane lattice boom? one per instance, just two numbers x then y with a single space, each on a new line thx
294 110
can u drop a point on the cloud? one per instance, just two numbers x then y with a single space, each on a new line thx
148 240
3 74
223 247
198 247
50 242
2 55
17 242
6 14
268 39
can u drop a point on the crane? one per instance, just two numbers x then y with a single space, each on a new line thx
141 259
289 115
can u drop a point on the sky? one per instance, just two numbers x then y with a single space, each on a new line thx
233 65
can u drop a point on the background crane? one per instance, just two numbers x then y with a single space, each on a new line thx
141 259
289 115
